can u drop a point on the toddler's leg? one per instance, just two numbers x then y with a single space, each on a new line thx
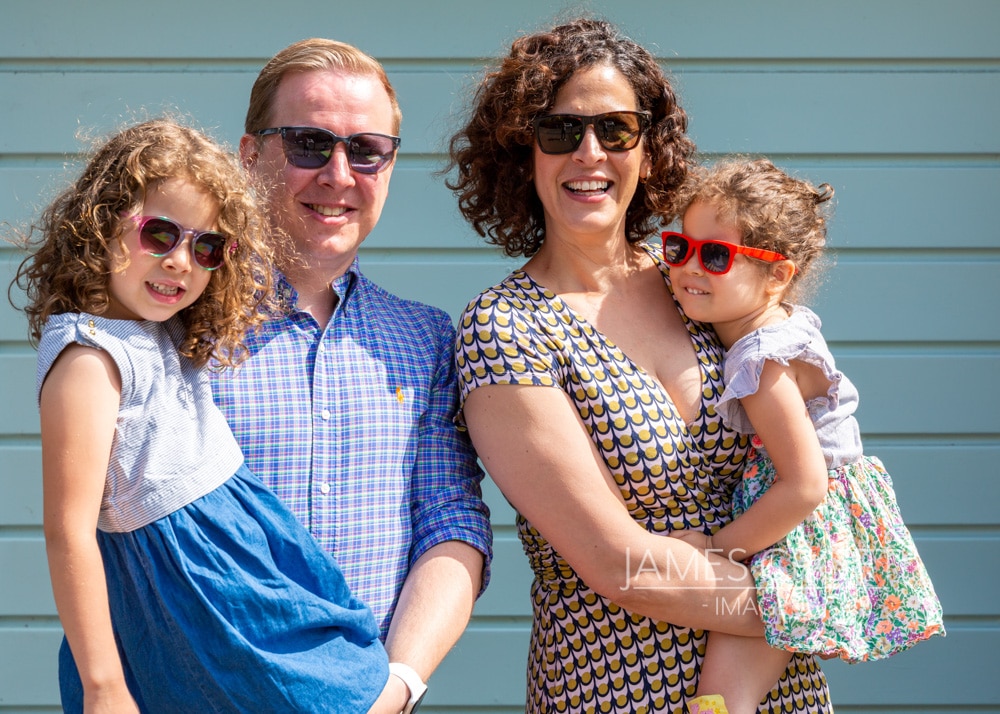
740 669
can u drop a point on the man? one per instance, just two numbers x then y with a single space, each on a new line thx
345 404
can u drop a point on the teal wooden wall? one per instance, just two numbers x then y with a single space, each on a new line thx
895 103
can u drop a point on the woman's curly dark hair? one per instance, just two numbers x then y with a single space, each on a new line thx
493 152
70 264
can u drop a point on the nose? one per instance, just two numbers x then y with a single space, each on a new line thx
590 148
337 171
181 258
692 264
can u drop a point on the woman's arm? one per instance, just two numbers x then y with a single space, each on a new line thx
779 415
79 408
534 445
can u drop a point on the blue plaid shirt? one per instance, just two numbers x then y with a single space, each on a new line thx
352 427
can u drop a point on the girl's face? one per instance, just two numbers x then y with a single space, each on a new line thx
586 192
736 302
152 288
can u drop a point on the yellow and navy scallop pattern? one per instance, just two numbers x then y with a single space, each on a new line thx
587 654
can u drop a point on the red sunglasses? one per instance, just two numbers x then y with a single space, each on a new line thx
716 256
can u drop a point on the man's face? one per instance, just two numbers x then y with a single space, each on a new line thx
327 211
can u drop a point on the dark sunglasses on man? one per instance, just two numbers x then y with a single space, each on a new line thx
309 147
616 131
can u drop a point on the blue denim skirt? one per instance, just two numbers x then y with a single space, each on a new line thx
229 605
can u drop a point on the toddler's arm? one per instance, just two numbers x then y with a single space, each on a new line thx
779 415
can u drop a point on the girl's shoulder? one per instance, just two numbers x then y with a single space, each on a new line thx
138 348
783 341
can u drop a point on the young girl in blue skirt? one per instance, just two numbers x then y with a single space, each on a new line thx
837 572
181 582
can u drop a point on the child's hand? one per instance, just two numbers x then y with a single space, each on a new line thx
696 539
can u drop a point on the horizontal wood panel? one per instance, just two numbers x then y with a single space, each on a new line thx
30 593
28 666
20 415
779 112
487 668
863 113
855 28
873 205
950 485
21 485
945 403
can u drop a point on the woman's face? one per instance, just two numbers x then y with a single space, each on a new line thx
585 193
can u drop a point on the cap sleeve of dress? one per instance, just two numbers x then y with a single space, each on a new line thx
507 336
111 336
798 337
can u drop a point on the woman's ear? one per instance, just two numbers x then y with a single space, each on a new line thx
645 168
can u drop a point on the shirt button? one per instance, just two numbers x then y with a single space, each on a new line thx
325 414
325 488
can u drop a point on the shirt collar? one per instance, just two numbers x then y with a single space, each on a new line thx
342 287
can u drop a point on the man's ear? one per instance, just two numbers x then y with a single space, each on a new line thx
249 151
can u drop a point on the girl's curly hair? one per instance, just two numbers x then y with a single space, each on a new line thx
771 210
493 152
69 267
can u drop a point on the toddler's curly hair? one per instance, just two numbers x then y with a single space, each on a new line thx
771 209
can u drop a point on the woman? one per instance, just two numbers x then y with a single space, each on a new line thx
584 385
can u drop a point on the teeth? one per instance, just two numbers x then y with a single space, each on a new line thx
587 186
695 291
164 289
327 211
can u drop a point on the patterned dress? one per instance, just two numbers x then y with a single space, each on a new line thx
587 654
848 581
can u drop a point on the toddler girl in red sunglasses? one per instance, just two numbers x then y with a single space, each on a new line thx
182 583
836 570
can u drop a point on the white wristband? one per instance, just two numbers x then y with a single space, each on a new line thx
412 681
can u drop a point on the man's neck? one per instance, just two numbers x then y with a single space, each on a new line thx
315 295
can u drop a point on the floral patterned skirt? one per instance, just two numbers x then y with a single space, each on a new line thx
846 582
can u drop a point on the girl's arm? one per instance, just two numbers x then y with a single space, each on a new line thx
536 448
779 415
79 408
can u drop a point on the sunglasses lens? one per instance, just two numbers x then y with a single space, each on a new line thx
562 133
716 257
158 236
209 250
307 148
368 153
618 131
675 250
559 133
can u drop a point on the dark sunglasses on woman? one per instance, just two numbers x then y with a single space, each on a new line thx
616 131
716 256
159 236
308 147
